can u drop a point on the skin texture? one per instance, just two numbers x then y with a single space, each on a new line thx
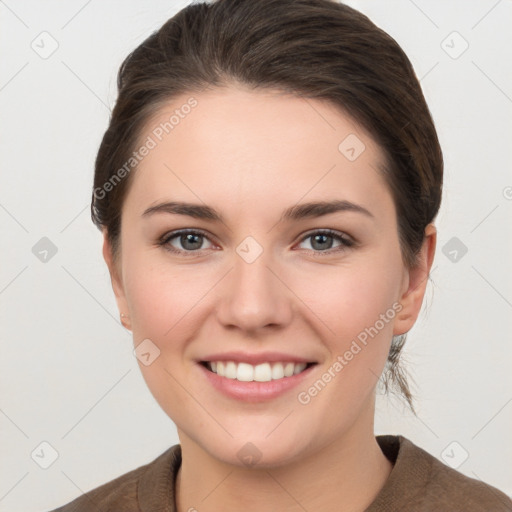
250 155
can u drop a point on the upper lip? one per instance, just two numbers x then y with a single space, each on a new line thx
254 359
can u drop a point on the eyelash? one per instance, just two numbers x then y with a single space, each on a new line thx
346 242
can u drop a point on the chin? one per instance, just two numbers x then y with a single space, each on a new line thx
259 453
255 448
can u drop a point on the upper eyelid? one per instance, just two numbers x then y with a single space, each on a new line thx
169 235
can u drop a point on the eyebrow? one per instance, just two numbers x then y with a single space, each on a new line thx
297 212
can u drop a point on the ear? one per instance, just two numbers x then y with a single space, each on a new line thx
415 283
117 282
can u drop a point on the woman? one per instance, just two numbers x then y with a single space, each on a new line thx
267 189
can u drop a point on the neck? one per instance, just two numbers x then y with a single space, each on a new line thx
351 471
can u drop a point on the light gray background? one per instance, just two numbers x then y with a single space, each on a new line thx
68 376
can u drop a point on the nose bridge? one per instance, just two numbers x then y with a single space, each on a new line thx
254 297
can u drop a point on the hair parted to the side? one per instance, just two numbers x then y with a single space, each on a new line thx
316 49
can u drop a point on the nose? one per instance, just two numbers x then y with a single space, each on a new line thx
254 296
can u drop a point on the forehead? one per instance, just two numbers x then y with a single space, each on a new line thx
235 146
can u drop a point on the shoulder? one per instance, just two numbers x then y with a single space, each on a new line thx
120 492
123 492
470 494
425 483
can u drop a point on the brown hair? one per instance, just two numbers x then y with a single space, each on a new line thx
318 49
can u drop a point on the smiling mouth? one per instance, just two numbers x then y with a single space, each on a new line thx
264 372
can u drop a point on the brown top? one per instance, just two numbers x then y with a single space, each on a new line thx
418 483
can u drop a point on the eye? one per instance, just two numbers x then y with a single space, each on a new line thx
322 241
190 241
187 240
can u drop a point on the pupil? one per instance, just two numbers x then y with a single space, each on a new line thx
189 238
317 237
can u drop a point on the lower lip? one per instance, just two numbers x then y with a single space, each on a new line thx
254 391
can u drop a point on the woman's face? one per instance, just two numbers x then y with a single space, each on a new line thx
266 284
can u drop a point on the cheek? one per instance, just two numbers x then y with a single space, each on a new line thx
165 298
353 298
359 305
163 307
149 296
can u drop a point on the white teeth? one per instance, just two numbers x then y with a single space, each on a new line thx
298 368
230 370
264 372
245 372
277 371
288 369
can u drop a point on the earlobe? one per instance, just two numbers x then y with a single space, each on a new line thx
416 283
116 281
